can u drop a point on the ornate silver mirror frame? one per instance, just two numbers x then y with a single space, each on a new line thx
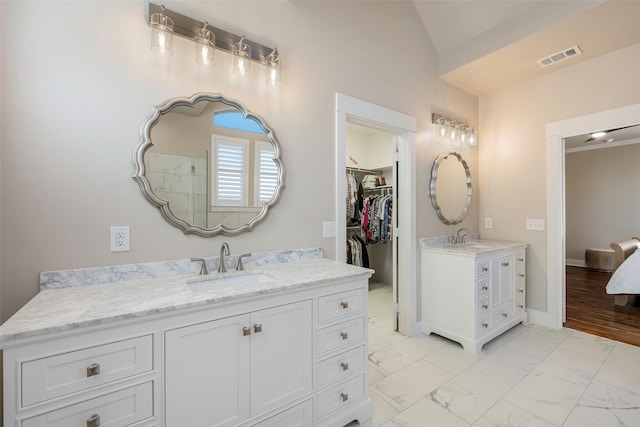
446 218
140 168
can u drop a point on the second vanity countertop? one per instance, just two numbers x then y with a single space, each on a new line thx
470 248
55 310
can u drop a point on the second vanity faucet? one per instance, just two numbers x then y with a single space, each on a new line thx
224 250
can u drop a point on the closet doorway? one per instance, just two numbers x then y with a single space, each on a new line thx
401 130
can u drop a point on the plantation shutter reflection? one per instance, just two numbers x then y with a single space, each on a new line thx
231 173
267 173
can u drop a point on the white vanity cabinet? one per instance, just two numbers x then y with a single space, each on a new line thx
472 296
223 372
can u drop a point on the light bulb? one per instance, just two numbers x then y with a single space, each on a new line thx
205 47
273 68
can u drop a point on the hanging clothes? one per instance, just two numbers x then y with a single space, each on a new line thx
377 218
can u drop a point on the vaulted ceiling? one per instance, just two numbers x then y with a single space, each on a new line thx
486 45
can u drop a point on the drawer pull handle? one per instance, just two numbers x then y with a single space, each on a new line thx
521 305
505 264
94 421
344 366
521 291
521 275
485 325
485 287
485 306
344 335
344 304
344 396
93 369
485 269
504 314
521 259
246 331
257 327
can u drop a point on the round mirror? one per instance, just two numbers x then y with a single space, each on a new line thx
450 187
208 164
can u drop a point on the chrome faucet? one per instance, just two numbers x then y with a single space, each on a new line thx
239 266
203 268
466 232
224 250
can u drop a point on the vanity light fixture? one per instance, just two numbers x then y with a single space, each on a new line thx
165 23
205 46
454 130
161 32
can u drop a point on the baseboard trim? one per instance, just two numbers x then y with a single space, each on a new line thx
576 262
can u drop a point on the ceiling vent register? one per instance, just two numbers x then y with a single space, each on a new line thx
560 56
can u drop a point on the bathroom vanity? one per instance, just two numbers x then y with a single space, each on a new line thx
278 344
474 291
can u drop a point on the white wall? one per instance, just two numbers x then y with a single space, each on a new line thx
513 146
79 79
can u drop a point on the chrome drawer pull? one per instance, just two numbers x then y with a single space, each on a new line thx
485 306
246 331
521 291
344 335
344 304
521 259
521 305
344 396
485 325
505 264
521 275
93 370
485 288
504 314
485 269
94 421
257 327
344 366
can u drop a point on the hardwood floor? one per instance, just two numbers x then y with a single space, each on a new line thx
590 309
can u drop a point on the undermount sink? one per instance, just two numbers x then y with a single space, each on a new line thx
475 245
226 282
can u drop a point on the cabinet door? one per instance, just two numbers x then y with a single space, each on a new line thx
207 374
501 280
281 355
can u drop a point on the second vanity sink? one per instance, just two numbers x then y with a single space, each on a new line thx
235 282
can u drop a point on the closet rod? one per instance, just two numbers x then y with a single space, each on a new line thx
366 171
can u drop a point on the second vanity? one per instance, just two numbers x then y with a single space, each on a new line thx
474 291
280 344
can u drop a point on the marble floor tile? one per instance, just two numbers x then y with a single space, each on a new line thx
410 384
452 359
383 409
622 367
581 343
506 365
397 356
606 405
504 414
469 395
379 339
426 413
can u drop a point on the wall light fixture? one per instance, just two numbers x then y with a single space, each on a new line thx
165 23
454 130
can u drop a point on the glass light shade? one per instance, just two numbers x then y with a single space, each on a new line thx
161 33
241 58
273 68
205 47
473 137
443 128
453 131
463 134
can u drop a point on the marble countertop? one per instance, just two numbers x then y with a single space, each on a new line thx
54 310
470 248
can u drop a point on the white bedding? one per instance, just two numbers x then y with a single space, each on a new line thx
626 279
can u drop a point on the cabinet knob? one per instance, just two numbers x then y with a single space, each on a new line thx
344 304
505 264
521 305
93 370
246 331
485 325
521 259
257 327
344 366
485 306
504 314
485 288
94 421
521 291
344 335
344 396
521 275
485 269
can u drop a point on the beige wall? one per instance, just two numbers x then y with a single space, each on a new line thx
76 94
513 146
602 198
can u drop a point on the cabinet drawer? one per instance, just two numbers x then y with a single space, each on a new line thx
502 314
483 306
341 366
340 304
340 396
119 409
520 265
483 268
299 416
482 287
340 335
483 325
74 371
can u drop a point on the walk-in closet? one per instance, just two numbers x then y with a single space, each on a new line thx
371 209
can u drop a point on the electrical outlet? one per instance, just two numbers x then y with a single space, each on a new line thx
488 222
120 238
328 229
535 224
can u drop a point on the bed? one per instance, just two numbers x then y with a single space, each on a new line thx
625 277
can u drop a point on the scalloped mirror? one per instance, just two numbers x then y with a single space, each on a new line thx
210 166
450 187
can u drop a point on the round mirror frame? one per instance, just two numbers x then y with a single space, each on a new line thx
432 188
139 174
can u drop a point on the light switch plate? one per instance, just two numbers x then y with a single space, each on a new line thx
120 238
535 224
328 229
488 222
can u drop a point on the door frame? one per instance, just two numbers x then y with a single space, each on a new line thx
556 263
349 109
